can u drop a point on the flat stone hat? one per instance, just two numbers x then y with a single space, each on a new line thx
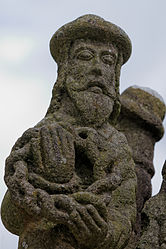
88 27
146 106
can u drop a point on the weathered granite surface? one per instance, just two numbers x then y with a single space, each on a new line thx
72 181
154 220
141 117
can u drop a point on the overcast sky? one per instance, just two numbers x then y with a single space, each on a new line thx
27 71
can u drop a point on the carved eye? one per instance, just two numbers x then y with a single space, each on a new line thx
85 55
108 59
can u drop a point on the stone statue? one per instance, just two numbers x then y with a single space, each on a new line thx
154 220
141 117
71 179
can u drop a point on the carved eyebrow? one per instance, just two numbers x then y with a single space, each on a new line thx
84 48
109 51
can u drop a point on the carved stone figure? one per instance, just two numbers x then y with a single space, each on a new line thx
154 217
71 179
141 117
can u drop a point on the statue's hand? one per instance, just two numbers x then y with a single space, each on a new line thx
53 153
55 208
83 213
20 151
88 221
47 150
22 192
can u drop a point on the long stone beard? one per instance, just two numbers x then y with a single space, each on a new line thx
94 108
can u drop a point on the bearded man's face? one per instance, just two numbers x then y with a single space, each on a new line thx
90 80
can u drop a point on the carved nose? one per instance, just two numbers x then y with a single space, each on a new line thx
96 66
96 71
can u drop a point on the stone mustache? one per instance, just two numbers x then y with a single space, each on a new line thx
71 179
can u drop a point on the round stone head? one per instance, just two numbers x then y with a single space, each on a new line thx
90 52
147 107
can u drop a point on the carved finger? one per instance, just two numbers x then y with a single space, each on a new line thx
97 218
20 173
22 192
17 155
79 223
53 188
25 138
70 142
27 188
21 170
36 151
101 208
88 198
65 202
46 202
49 146
74 230
30 205
30 133
62 138
66 156
49 210
67 143
88 219
52 147
103 185
66 146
